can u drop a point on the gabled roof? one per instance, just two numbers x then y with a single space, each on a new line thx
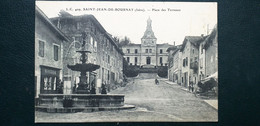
194 40
178 47
171 48
80 17
66 15
210 38
39 12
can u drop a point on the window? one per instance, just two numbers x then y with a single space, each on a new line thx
103 55
56 52
201 63
108 58
128 51
136 51
150 50
127 59
160 50
95 45
49 80
186 61
193 51
146 50
41 48
161 60
135 60
183 63
201 49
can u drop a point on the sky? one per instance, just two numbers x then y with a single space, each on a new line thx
171 21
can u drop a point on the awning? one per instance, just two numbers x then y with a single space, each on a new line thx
215 76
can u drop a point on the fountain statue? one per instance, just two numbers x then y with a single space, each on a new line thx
83 68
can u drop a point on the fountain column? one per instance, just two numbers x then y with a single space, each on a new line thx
83 68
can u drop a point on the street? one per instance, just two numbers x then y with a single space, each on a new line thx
163 102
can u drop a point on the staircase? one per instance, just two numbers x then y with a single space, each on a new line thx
147 76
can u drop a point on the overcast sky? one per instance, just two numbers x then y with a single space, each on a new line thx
185 19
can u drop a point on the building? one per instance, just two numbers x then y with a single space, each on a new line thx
175 64
202 70
148 53
190 58
49 41
211 54
105 51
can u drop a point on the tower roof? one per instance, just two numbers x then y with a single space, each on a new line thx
149 32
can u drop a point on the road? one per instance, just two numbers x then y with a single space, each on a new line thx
163 102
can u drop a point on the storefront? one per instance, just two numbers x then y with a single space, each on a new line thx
49 79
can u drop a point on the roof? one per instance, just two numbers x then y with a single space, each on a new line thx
194 40
132 44
66 15
80 17
171 48
149 32
163 45
178 47
210 38
39 12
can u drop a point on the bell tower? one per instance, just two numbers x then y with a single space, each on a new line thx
148 38
148 45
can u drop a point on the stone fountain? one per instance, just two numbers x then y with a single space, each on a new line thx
83 68
85 97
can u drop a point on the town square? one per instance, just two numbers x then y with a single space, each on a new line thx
96 65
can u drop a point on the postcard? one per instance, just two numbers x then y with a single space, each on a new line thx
116 61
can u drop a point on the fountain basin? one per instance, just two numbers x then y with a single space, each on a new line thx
81 102
87 67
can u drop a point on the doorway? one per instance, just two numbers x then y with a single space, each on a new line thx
148 60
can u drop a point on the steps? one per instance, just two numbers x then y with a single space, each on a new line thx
147 76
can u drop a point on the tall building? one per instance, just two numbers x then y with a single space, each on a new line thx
211 54
175 63
190 59
105 51
49 41
148 53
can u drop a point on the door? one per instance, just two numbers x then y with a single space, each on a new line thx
148 60
185 79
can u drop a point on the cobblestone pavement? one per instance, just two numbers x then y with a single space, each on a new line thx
157 103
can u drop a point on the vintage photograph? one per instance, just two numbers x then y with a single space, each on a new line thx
108 61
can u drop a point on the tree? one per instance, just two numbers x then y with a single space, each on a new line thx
116 40
124 41
130 71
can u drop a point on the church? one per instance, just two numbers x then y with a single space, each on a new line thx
148 53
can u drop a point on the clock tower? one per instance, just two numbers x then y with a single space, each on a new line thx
148 46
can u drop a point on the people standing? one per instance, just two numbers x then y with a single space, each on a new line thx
156 81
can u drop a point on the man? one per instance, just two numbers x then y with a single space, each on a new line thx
156 81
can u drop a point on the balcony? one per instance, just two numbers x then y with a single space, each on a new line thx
194 65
